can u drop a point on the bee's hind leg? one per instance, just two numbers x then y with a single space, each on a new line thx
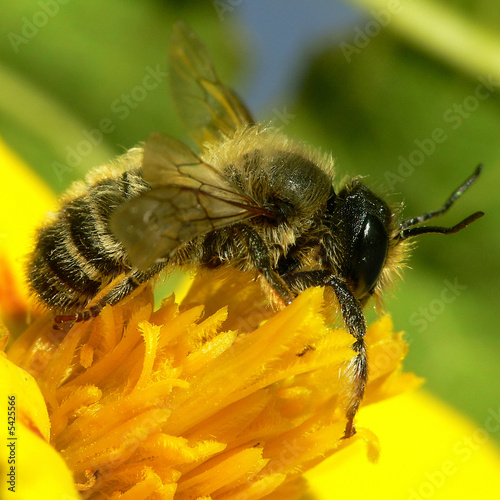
68 319
118 292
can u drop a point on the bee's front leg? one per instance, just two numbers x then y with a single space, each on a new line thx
357 370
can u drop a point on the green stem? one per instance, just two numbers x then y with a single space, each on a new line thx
442 31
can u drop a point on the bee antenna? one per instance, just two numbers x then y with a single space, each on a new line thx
415 231
407 231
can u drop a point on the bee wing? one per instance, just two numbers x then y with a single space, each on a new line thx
206 106
188 198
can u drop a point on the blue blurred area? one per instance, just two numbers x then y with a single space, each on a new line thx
284 35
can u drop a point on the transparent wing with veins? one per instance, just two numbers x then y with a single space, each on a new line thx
206 106
188 198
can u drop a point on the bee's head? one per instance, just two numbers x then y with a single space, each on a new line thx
369 241
362 223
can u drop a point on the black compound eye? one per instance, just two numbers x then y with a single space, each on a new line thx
368 253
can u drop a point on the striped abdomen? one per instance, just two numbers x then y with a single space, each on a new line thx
76 254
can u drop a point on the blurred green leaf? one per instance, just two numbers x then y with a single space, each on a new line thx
443 29
101 69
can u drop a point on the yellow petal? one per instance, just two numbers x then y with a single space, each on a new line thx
428 450
29 466
29 198
30 405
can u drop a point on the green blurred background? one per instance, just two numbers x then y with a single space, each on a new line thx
372 96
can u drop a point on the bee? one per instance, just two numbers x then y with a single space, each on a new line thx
250 198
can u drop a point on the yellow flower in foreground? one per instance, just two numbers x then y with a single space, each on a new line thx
28 464
152 404
25 197
428 450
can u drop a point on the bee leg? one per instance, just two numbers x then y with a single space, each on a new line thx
63 319
129 283
261 259
354 320
357 371
126 286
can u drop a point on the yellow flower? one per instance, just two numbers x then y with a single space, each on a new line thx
24 198
168 402
28 464
428 450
